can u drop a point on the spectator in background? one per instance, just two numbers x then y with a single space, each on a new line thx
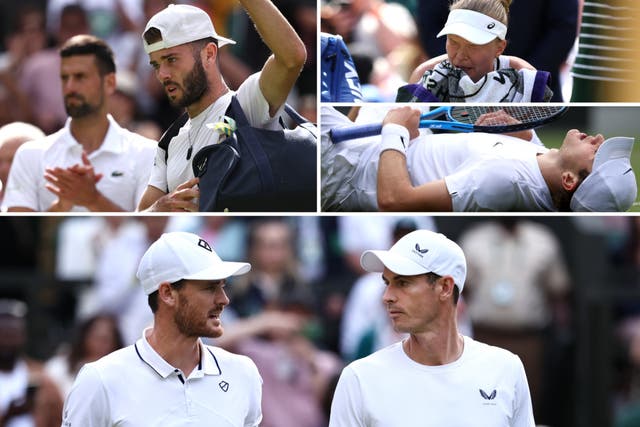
124 107
94 338
12 136
542 33
275 273
382 38
26 37
40 78
28 397
277 329
517 292
115 289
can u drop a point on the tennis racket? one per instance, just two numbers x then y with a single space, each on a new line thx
463 119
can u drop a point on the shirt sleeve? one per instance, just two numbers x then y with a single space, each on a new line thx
147 166
254 416
23 181
346 407
255 105
87 404
523 409
487 185
158 177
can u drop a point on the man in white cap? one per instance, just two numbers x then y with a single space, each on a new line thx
473 171
435 377
183 49
169 377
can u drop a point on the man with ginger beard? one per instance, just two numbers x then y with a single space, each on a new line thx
169 377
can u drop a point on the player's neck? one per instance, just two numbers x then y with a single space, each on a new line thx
211 95
439 346
175 348
549 164
90 131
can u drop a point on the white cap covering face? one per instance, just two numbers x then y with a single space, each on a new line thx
473 26
611 185
180 24
420 252
180 255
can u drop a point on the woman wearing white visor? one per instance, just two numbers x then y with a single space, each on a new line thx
474 69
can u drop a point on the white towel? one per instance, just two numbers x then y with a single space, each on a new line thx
445 83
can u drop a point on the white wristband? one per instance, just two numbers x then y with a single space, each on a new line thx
394 137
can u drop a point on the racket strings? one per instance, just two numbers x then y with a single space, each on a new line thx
517 114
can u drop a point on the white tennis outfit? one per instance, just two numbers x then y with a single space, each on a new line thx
169 172
125 159
486 386
482 172
136 387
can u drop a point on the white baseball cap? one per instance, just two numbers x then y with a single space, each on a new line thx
180 255
611 185
473 26
180 24
420 252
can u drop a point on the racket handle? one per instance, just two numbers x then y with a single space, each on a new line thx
353 132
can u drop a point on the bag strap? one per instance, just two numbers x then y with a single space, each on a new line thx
252 144
172 131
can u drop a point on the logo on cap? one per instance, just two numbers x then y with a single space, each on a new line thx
225 385
203 244
420 251
491 26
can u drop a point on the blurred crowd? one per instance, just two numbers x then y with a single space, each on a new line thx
68 295
31 31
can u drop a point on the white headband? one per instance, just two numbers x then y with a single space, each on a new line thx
473 26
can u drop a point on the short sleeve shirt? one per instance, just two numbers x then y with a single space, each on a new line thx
175 167
136 387
124 159
486 386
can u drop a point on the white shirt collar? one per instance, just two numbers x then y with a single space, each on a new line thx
112 141
208 362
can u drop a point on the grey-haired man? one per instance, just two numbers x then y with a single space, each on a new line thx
169 377
435 377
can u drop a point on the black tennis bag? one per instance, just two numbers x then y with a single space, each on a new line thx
258 170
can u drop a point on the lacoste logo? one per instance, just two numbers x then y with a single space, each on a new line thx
224 386
488 396
422 251
203 244
491 26
117 173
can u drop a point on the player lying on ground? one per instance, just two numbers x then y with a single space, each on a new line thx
402 171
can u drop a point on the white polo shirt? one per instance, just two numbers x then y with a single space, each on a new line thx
136 387
124 158
482 172
169 172
486 386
